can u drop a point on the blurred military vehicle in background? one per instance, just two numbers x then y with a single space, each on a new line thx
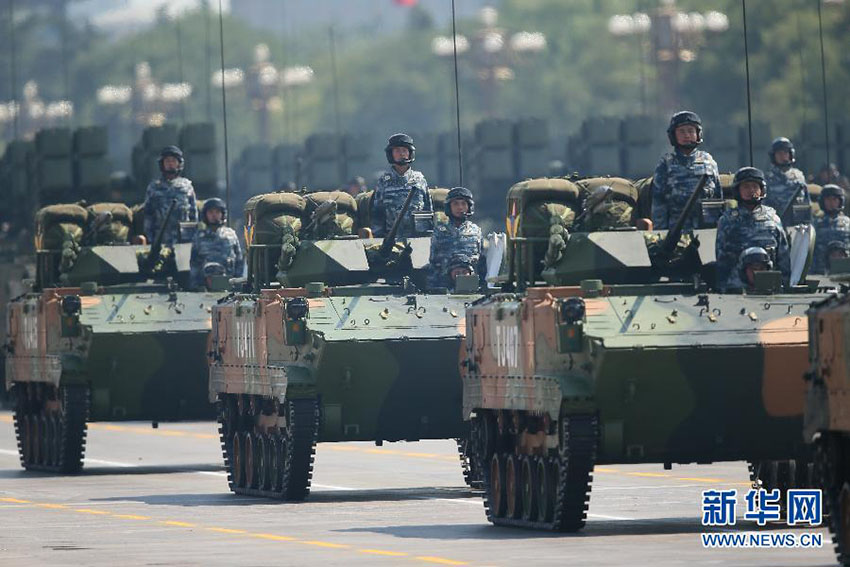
612 347
827 425
333 339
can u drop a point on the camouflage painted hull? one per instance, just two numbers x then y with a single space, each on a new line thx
827 419
558 382
142 354
377 377
668 383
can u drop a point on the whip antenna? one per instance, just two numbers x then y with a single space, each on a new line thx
224 113
334 79
14 67
180 64
747 63
823 82
457 96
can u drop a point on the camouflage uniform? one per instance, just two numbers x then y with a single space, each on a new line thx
389 198
675 179
158 198
781 184
739 229
451 240
829 228
215 245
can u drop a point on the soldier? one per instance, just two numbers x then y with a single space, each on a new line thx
214 244
457 237
834 225
160 193
355 186
753 259
836 250
829 174
393 187
679 171
751 224
460 265
783 179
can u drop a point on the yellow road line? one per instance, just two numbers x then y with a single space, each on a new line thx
440 560
324 544
15 500
649 474
272 537
700 479
383 552
237 532
226 530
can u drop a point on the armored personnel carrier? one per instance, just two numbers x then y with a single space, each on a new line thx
827 420
333 340
107 332
612 347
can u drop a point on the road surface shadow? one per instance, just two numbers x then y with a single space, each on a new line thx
104 470
316 497
594 528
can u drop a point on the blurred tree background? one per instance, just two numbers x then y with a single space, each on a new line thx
393 80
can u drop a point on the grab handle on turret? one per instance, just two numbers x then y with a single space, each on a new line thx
390 238
675 233
156 247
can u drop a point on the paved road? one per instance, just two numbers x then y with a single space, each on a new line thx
159 497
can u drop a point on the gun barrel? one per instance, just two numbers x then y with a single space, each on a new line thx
156 247
390 238
675 233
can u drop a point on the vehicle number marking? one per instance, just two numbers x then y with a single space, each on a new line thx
507 344
245 339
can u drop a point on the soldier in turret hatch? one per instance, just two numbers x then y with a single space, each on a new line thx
783 179
833 226
457 237
393 187
751 224
215 243
160 193
679 172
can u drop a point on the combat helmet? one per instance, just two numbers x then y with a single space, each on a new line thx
749 174
459 193
172 151
832 190
680 118
782 143
214 203
400 140
750 256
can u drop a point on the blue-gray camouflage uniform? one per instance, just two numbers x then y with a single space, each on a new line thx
450 240
158 198
389 197
781 184
676 177
829 228
219 245
741 228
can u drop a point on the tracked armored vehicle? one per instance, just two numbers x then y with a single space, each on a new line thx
616 349
107 332
333 340
827 417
